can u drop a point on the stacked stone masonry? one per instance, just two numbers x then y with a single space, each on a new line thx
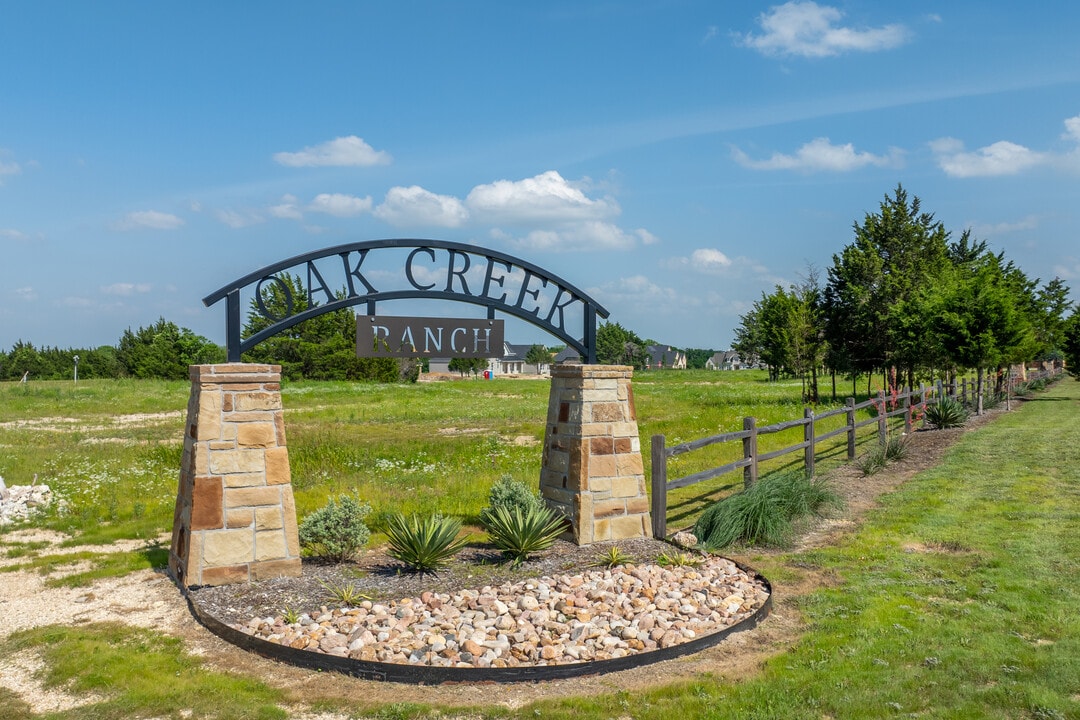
235 518
592 470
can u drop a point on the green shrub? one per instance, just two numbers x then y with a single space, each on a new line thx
336 531
946 413
764 512
510 493
519 533
423 544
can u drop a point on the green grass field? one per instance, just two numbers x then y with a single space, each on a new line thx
111 449
955 599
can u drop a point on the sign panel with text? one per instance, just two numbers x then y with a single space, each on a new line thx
418 337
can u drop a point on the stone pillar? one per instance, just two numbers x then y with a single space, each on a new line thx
592 470
235 519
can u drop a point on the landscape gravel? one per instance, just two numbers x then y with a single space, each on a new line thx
570 617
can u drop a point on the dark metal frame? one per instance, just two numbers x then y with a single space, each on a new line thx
585 345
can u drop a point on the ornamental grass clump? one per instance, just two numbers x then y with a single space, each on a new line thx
946 413
520 533
425 544
336 531
764 513
893 449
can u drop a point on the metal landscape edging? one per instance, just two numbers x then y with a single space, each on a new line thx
434 675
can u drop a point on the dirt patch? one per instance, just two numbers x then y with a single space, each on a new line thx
66 424
148 599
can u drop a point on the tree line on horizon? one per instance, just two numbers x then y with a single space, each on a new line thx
906 302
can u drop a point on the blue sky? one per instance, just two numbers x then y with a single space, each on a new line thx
672 158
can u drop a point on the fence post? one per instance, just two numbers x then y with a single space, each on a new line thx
963 391
851 428
659 487
922 405
749 450
907 410
808 438
882 419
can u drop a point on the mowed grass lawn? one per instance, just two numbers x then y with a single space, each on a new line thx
957 598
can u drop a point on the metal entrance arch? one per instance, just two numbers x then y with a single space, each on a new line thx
433 269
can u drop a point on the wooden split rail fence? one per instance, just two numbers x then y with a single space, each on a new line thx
909 404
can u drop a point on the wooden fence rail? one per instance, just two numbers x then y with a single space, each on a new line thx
911 404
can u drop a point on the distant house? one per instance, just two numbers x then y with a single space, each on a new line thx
513 362
510 362
567 354
665 356
728 360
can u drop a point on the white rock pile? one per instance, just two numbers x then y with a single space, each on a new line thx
596 615
20 502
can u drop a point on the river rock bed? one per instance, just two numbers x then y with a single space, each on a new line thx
568 618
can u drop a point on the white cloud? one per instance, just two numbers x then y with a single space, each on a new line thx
349 151
1068 269
12 234
236 220
340 205
125 289
288 208
710 33
544 198
1029 223
9 168
820 155
579 236
1000 158
1072 129
710 259
810 30
416 206
636 290
26 294
716 263
149 219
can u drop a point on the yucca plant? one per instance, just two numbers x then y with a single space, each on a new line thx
613 557
519 533
345 593
946 413
423 544
678 559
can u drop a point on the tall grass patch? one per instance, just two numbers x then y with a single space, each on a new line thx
764 513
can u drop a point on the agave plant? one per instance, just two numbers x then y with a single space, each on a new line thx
613 557
519 533
946 413
423 544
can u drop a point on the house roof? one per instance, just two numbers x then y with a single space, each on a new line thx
663 353
568 354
